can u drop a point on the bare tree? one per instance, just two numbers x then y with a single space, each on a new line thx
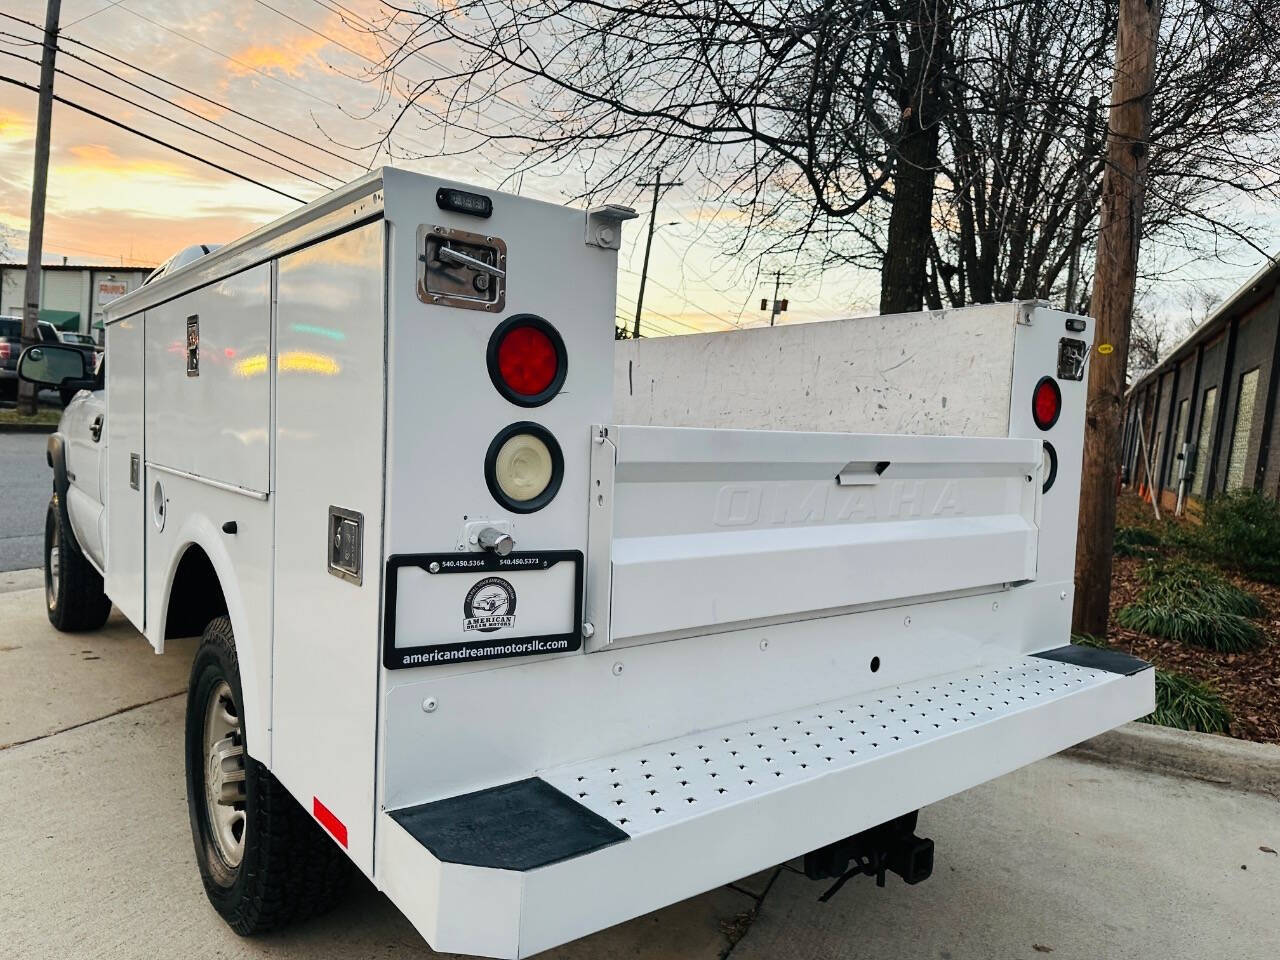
795 115
1149 338
954 146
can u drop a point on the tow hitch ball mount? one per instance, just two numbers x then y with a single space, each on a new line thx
890 847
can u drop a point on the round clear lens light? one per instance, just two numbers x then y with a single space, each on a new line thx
523 467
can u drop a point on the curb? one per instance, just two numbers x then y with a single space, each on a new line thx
1239 764
28 427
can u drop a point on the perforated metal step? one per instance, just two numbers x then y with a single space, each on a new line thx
662 784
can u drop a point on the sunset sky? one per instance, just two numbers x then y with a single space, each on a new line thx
301 66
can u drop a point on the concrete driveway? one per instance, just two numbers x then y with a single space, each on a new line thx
1065 857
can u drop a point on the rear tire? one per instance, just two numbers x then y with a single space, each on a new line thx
263 860
73 590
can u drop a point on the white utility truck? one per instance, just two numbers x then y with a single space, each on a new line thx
532 672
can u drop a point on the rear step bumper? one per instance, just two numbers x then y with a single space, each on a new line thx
520 868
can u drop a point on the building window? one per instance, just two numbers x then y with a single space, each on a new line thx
1155 456
1240 432
1200 465
1179 438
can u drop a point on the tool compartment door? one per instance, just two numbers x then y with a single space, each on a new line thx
694 531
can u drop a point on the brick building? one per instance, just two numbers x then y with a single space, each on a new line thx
1207 411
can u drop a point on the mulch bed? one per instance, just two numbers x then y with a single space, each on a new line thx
1248 682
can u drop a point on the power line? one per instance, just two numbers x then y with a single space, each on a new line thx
217 103
156 140
200 116
685 297
318 33
109 6
178 123
629 301
373 63
246 66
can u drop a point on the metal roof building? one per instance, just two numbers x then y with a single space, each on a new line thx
1207 411
72 295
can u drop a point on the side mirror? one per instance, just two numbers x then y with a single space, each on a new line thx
53 365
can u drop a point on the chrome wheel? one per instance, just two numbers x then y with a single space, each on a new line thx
53 577
224 775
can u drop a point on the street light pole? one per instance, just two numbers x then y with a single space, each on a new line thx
39 183
653 216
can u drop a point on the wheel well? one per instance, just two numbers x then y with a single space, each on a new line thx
195 597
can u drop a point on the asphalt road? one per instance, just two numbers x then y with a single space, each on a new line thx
1064 858
25 485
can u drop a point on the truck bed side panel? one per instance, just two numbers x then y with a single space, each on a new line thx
328 437
125 519
212 423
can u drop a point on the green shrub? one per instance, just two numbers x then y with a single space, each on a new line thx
1187 704
1135 542
1241 530
1224 632
1192 603
1184 583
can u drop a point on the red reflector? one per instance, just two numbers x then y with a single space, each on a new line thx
1046 403
527 360
329 821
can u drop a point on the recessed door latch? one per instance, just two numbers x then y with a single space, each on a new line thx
1072 354
457 268
346 539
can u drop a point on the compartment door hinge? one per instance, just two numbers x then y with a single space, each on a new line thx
598 592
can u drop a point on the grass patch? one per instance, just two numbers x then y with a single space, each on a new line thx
1188 704
1088 640
1241 531
43 416
1136 542
1191 603
1224 632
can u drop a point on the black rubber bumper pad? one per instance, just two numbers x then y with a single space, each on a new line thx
1112 661
516 826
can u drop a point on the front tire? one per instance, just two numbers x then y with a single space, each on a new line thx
73 590
263 861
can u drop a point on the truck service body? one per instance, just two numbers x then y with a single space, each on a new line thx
535 672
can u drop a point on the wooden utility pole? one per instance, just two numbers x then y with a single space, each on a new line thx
1114 278
653 219
39 181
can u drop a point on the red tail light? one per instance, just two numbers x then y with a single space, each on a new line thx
4 351
1046 403
527 360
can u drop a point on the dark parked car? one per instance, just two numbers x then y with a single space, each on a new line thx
10 347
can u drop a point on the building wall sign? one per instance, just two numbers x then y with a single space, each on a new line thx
109 290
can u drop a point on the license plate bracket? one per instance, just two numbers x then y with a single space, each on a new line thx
464 607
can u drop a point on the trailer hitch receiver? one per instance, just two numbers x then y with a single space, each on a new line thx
891 847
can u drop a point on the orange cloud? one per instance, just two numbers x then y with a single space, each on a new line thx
98 158
288 57
15 127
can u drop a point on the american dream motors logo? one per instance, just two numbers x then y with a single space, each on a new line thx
490 605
